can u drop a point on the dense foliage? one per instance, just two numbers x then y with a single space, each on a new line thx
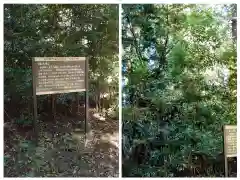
59 30
54 31
179 69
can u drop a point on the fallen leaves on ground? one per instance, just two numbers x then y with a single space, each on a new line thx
64 152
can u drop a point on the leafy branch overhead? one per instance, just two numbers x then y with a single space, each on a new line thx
179 69
60 30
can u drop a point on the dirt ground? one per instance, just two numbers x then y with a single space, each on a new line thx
63 150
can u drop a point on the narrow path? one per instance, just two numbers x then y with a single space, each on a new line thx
103 147
62 151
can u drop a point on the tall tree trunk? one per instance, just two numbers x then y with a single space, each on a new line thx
234 22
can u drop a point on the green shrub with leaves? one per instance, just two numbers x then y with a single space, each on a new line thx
181 83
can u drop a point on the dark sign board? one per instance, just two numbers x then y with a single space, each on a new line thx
230 144
230 140
52 75
59 74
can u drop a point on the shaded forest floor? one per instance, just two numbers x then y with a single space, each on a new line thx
62 150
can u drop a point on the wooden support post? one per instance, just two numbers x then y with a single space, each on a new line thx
224 153
226 166
77 103
86 96
35 116
54 106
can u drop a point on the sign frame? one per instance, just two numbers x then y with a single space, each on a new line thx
35 94
56 59
226 156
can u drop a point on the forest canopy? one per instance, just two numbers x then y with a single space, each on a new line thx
179 71
60 30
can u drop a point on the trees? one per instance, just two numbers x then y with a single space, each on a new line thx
177 69
61 30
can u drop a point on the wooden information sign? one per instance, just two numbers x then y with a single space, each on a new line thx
53 75
59 75
230 144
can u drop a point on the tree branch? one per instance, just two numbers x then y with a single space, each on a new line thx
164 52
134 39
